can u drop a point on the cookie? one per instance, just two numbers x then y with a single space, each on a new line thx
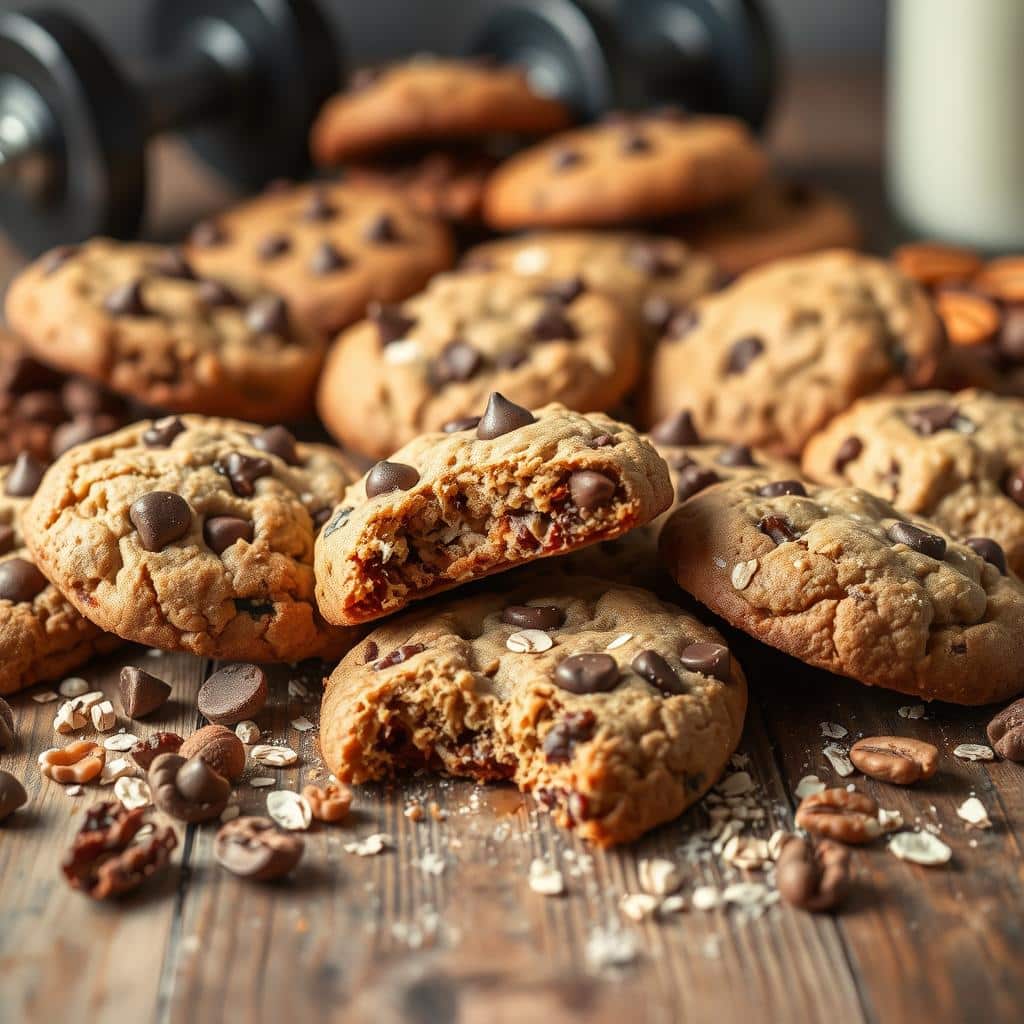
193 534
414 367
41 635
777 220
957 459
769 360
141 320
651 277
615 710
840 579
430 100
623 170
510 488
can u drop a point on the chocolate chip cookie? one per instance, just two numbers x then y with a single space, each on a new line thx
428 99
193 534
769 360
330 249
434 359
146 322
508 488
614 709
41 635
956 458
622 170
840 579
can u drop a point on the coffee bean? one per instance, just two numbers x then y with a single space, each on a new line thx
930 419
841 814
386 477
457 426
847 452
553 325
501 417
215 294
327 258
590 490
564 158
172 263
814 878
989 550
20 580
918 540
256 849
277 441
319 208
233 694
392 323
397 656
743 353
25 476
693 479
126 300
207 234
564 291
676 430
736 455
778 528
162 432
532 616
7 735
587 673
458 361
381 229
1006 732
562 738
12 795
267 315
243 471
895 759
273 246
780 487
141 693
708 659
650 665
220 532
634 143
56 258
161 517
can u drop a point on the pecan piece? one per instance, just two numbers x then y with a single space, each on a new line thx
848 817
813 877
331 803
895 759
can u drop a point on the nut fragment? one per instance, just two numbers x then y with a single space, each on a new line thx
931 263
848 817
146 751
118 768
73 686
813 877
219 747
256 849
1005 732
920 848
273 756
6 725
974 752
79 762
659 876
1003 279
330 803
103 717
248 732
69 719
529 641
132 792
969 319
189 790
545 879
290 810
895 759
972 810
743 573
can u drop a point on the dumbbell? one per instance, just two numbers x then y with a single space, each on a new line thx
710 56
242 79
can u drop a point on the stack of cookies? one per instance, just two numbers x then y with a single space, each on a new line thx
673 385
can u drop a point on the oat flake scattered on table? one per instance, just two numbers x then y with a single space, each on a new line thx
974 752
920 848
972 810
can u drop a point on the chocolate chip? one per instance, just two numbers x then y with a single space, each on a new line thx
562 738
220 532
370 652
930 419
126 300
736 455
243 471
918 540
319 208
532 616
989 550
458 361
397 656
392 323
650 260
141 693
650 665
564 290
681 324
277 441
634 142
743 353
233 694
215 294
501 417
25 476
778 528
676 430
78 431
590 490
327 258
587 673
709 660
693 479
779 487
457 426
381 228
6 539
56 258
161 517
162 432
564 158
553 325
273 246
847 452
267 315
207 234
386 477
20 580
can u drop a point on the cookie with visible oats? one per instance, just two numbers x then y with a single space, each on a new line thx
511 488
840 579
615 710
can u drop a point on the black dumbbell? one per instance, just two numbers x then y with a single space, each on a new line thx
242 79
711 56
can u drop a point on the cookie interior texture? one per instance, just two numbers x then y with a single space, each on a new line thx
481 506
440 689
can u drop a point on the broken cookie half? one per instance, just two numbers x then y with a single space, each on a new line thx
490 494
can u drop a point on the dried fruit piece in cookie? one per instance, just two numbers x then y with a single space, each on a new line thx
436 357
626 719
842 580
772 358
957 459
450 508
165 571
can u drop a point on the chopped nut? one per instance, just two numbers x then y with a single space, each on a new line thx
972 810
911 711
974 752
289 810
45 697
807 785
706 897
261 781
273 756
620 641
132 792
119 768
545 879
248 732
890 821
659 876
638 906
833 730
120 743
848 817
920 848
302 724
103 717
413 811
69 719
743 573
331 803
529 641
370 845
840 761
745 853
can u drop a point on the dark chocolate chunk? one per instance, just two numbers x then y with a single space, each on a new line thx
392 323
553 325
141 693
989 550
20 580
243 471
779 487
778 528
215 294
24 477
382 229
590 490
587 673
693 479
562 738
386 477
930 419
277 441
501 417
848 451
220 532
267 315
273 246
160 517
327 258
458 361
457 426
233 694
676 430
918 540
650 665
126 300
162 432
736 455
397 656
743 353
532 616
708 659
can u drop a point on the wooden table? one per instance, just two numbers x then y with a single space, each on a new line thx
384 938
